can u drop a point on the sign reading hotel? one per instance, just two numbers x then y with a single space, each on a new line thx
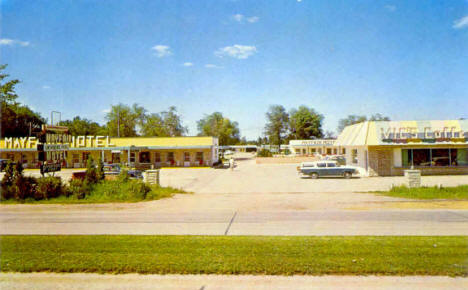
427 135
71 141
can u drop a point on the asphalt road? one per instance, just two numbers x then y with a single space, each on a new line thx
319 222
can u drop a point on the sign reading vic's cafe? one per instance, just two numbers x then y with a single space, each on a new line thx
427 134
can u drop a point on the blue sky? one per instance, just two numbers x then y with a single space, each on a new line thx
404 59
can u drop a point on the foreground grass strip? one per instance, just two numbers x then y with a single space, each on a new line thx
456 192
237 255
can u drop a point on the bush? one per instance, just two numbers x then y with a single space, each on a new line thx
91 176
78 188
7 181
122 189
49 187
264 153
24 187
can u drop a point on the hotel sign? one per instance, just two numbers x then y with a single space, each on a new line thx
427 135
71 141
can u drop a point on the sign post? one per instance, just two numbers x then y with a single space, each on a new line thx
53 142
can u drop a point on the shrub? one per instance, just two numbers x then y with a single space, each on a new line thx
121 189
78 188
91 172
7 181
24 187
100 170
49 187
264 153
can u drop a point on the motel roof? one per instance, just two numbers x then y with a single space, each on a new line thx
381 133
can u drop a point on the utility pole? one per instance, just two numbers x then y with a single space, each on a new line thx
118 122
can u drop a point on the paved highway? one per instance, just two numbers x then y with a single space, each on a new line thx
317 222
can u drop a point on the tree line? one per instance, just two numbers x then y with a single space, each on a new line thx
123 120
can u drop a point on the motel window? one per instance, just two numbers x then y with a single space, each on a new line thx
354 156
157 157
75 158
298 151
132 157
187 156
329 151
145 157
343 151
86 156
170 156
11 156
115 157
320 150
304 151
335 151
314 150
199 156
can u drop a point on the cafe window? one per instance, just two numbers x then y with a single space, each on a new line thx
354 156
421 157
440 157
187 156
170 156
157 157
435 157
145 157
199 156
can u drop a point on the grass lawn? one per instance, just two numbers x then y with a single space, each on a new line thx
395 255
457 192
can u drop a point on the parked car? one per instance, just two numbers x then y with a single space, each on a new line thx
111 169
340 159
221 164
325 168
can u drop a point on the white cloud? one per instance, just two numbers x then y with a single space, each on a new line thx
188 64
162 50
253 19
241 18
106 111
461 23
391 8
11 42
46 87
209 65
238 17
236 51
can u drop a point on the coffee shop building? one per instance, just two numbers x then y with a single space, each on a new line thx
140 152
387 148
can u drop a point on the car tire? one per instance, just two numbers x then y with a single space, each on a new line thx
347 175
314 175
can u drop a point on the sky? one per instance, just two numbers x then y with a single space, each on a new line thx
404 59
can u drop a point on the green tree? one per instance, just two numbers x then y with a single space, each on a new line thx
91 176
217 125
17 120
154 126
172 123
277 124
354 119
350 120
123 120
305 123
80 127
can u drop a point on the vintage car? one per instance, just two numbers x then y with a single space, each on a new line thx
325 168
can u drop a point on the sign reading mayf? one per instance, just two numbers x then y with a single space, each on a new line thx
73 141
428 133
